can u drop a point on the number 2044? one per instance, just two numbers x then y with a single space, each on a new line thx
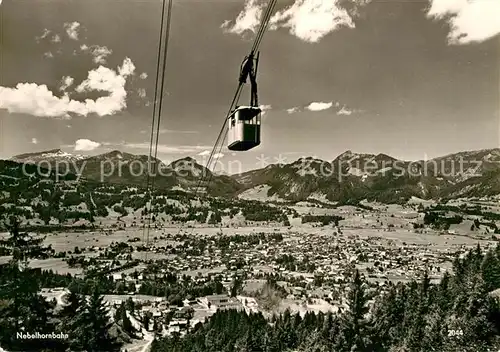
454 333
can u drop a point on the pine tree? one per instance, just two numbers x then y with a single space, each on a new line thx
90 326
22 245
388 314
22 308
355 334
490 270
99 325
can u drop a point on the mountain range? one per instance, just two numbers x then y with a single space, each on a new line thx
350 177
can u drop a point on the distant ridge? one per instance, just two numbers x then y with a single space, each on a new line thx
348 177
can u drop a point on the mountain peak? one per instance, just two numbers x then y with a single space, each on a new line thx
50 154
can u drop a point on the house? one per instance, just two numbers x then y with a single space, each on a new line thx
222 302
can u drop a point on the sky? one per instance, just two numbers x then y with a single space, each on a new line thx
412 79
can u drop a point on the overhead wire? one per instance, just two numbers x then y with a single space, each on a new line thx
160 105
222 133
157 110
158 58
258 40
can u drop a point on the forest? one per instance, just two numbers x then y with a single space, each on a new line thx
460 313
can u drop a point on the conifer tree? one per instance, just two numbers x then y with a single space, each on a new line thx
90 326
22 309
490 270
354 329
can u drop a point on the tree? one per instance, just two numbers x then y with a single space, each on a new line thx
22 245
73 303
490 270
22 309
236 287
90 327
354 328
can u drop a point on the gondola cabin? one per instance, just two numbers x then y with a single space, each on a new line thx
244 128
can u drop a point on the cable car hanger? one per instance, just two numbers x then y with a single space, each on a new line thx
248 70
244 128
246 132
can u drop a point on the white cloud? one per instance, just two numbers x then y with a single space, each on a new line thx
292 110
67 82
344 111
44 35
72 30
48 54
56 38
86 145
470 21
264 109
318 106
141 92
143 75
34 140
98 52
248 19
311 20
38 100
205 158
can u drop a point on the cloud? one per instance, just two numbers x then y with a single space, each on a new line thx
56 38
311 20
72 30
38 100
344 111
67 82
470 21
86 145
48 54
292 110
44 35
143 75
248 19
34 140
264 109
318 106
141 92
206 153
98 52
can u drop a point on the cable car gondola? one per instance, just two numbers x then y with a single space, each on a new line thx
244 128
244 121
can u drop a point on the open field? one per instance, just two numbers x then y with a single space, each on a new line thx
56 264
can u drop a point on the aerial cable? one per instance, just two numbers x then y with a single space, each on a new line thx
157 108
263 26
158 62
255 46
258 39
158 58
160 105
